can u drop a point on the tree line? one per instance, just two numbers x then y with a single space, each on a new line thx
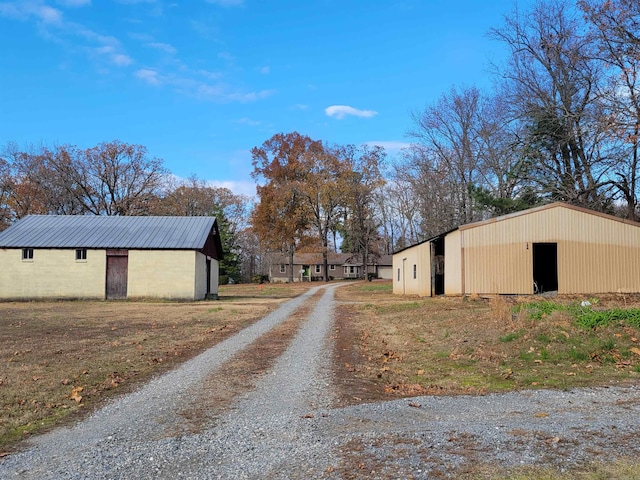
317 197
561 123
115 178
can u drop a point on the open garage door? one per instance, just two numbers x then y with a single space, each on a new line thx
545 267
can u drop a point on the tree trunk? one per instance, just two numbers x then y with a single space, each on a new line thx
291 251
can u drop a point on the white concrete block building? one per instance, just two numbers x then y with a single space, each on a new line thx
82 256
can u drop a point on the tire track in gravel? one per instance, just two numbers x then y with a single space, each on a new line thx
127 438
272 432
215 395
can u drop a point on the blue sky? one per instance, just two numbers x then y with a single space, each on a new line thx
200 83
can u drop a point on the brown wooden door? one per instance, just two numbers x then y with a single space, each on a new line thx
117 267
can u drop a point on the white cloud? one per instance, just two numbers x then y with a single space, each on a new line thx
74 3
265 70
209 91
187 84
248 121
49 15
149 76
210 75
249 96
221 93
205 29
165 47
111 53
27 9
389 146
11 10
237 187
227 3
341 111
121 60
141 37
226 56
53 27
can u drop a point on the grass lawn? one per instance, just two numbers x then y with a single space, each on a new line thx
393 346
411 345
63 357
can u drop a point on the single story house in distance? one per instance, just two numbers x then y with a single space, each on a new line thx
555 247
83 256
310 267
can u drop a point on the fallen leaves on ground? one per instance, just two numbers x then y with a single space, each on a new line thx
75 394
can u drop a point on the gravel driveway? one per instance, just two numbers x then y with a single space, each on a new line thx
286 426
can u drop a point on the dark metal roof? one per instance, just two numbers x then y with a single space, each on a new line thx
89 231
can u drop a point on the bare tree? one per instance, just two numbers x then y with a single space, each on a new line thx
427 195
553 84
44 180
6 188
120 179
616 29
111 179
450 131
361 219
195 196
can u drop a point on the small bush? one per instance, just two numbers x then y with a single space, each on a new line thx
587 318
542 309
500 309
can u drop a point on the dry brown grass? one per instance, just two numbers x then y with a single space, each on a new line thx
389 346
621 469
62 358
386 346
408 345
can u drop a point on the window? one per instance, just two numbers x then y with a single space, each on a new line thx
81 254
318 268
415 271
398 274
332 267
283 269
349 270
27 254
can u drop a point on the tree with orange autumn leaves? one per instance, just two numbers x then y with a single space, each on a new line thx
307 189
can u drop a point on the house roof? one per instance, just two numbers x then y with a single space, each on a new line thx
335 259
89 231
